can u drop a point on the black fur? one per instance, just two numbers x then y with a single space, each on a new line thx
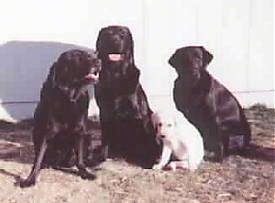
208 104
61 115
124 110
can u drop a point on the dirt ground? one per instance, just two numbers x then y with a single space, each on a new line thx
238 179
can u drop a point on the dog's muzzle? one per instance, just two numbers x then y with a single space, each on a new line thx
92 77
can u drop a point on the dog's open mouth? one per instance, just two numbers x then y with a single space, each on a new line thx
115 57
92 77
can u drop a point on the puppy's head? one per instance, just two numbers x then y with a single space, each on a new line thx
190 61
115 44
164 125
76 67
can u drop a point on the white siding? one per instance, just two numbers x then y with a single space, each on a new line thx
238 33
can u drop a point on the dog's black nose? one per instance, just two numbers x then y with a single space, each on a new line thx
162 136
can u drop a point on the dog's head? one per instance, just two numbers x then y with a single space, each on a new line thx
164 125
76 68
190 61
115 44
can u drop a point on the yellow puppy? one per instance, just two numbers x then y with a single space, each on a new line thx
180 139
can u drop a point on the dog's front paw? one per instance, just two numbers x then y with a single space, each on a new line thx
157 167
86 175
215 155
26 183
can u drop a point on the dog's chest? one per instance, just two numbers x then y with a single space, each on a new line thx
179 149
66 112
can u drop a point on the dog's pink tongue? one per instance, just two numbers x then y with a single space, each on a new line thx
92 77
115 57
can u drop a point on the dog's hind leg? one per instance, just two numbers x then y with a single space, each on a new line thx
80 161
183 164
36 166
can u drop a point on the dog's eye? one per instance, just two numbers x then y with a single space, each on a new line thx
160 124
95 61
198 55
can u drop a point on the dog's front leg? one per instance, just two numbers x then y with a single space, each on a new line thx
107 140
165 157
214 148
80 161
36 166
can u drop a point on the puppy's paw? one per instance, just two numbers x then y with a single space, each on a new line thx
157 167
172 166
193 167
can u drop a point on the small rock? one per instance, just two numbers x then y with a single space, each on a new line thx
265 175
224 196
192 201
249 196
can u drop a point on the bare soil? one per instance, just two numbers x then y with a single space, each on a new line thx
248 178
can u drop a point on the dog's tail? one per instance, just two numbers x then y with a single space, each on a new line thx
246 128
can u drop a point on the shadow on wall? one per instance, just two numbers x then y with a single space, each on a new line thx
24 66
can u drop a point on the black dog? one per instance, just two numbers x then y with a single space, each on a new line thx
124 111
63 110
208 104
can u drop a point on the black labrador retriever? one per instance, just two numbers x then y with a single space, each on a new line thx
63 111
208 104
125 114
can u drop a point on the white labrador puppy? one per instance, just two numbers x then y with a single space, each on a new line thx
182 142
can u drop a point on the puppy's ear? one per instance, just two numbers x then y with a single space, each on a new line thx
155 120
207 57
175 122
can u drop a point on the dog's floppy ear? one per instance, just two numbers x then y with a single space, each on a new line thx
175 122
175 60
51 76
155 121
61 71
130 41
99 43
207 57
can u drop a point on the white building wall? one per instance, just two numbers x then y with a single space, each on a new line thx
238 33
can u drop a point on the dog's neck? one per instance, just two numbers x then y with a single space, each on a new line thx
72 94
197 88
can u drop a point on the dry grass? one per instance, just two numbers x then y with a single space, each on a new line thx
237 179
